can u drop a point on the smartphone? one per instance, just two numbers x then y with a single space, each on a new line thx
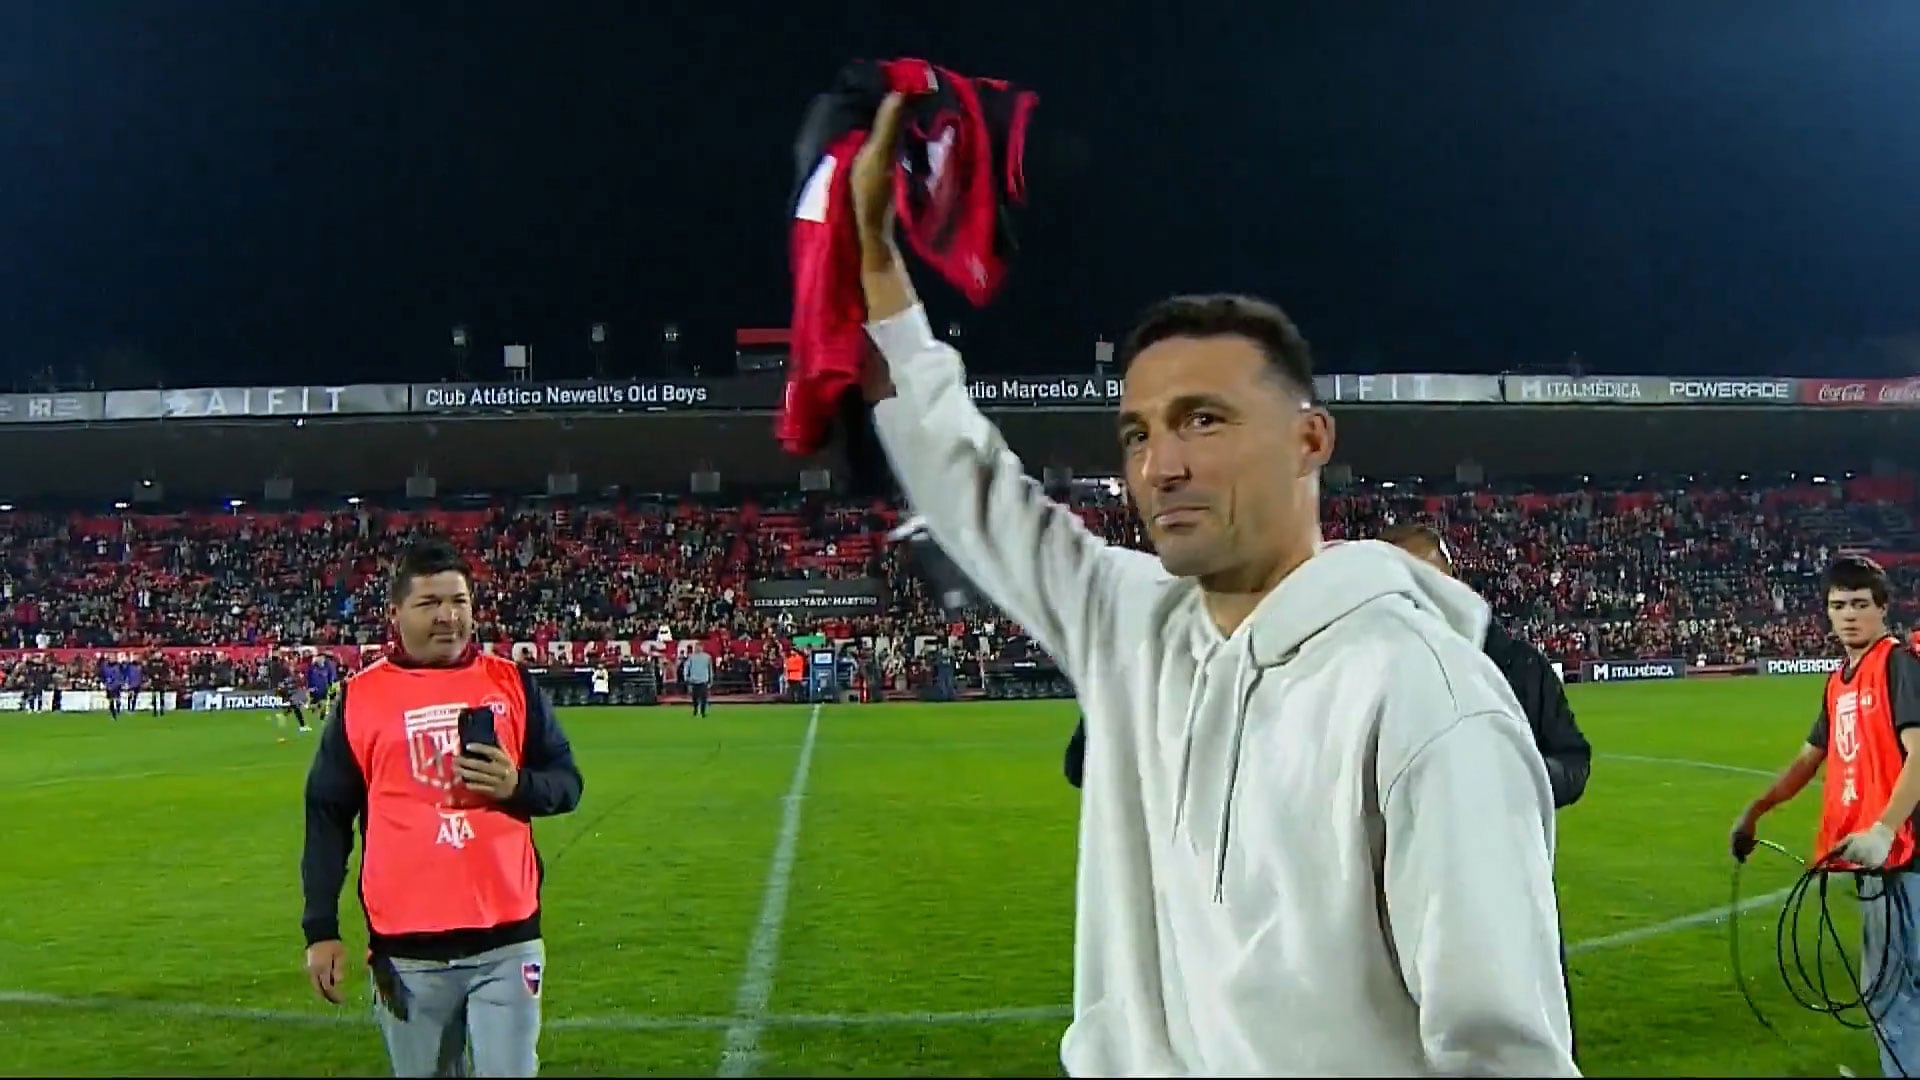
476 726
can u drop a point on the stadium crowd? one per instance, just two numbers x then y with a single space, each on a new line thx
1710 574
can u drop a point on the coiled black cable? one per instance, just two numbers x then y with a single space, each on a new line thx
1810 987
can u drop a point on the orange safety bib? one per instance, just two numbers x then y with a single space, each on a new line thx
1864 756
438 857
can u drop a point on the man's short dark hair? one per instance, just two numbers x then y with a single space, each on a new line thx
1851 573
1413 536
1222 315
425 558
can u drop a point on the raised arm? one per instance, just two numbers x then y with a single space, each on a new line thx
1031 556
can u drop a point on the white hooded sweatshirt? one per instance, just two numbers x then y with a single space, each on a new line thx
1319 846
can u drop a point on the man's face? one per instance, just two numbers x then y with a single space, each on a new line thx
1857 620
435 617
1220 452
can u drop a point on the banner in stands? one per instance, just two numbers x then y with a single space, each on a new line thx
1806 665
1647 390
70 408
216 700
1414 389
1057 390
1861 393
568 653
589 395
995 391
353 656
1634 670
842 596
221 402
73 701
763 392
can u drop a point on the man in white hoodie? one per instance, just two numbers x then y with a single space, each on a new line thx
1315 837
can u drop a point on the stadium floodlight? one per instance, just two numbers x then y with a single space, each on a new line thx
597 345
236 503
670 349
461 342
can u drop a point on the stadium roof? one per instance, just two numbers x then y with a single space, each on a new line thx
657 452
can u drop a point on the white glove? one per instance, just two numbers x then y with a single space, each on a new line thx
1868 848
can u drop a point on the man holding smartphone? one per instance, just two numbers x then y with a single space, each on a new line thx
444 754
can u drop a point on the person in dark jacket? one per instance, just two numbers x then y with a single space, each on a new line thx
443 756
1543 698
1077 753
1568 755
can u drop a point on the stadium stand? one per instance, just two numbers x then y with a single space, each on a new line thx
1709 574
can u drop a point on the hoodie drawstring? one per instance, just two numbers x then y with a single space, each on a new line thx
1244 684
1192 720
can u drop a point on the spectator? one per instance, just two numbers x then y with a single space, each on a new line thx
1706 574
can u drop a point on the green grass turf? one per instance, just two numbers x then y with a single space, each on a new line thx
149 902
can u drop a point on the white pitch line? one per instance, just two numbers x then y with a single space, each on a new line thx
741 1053
639 1022
756 985
1690 764
918 1019
1683 922
610 1022
186 1009
151 774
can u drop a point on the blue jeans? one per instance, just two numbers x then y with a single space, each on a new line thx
1893 980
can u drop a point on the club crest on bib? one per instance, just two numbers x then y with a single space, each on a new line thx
433 737
433 741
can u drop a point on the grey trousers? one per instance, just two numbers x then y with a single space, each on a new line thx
477 1016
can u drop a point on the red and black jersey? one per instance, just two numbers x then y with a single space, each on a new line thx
959 180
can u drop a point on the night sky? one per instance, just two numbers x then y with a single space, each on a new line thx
316 191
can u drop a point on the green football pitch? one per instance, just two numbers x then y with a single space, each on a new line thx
870 891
